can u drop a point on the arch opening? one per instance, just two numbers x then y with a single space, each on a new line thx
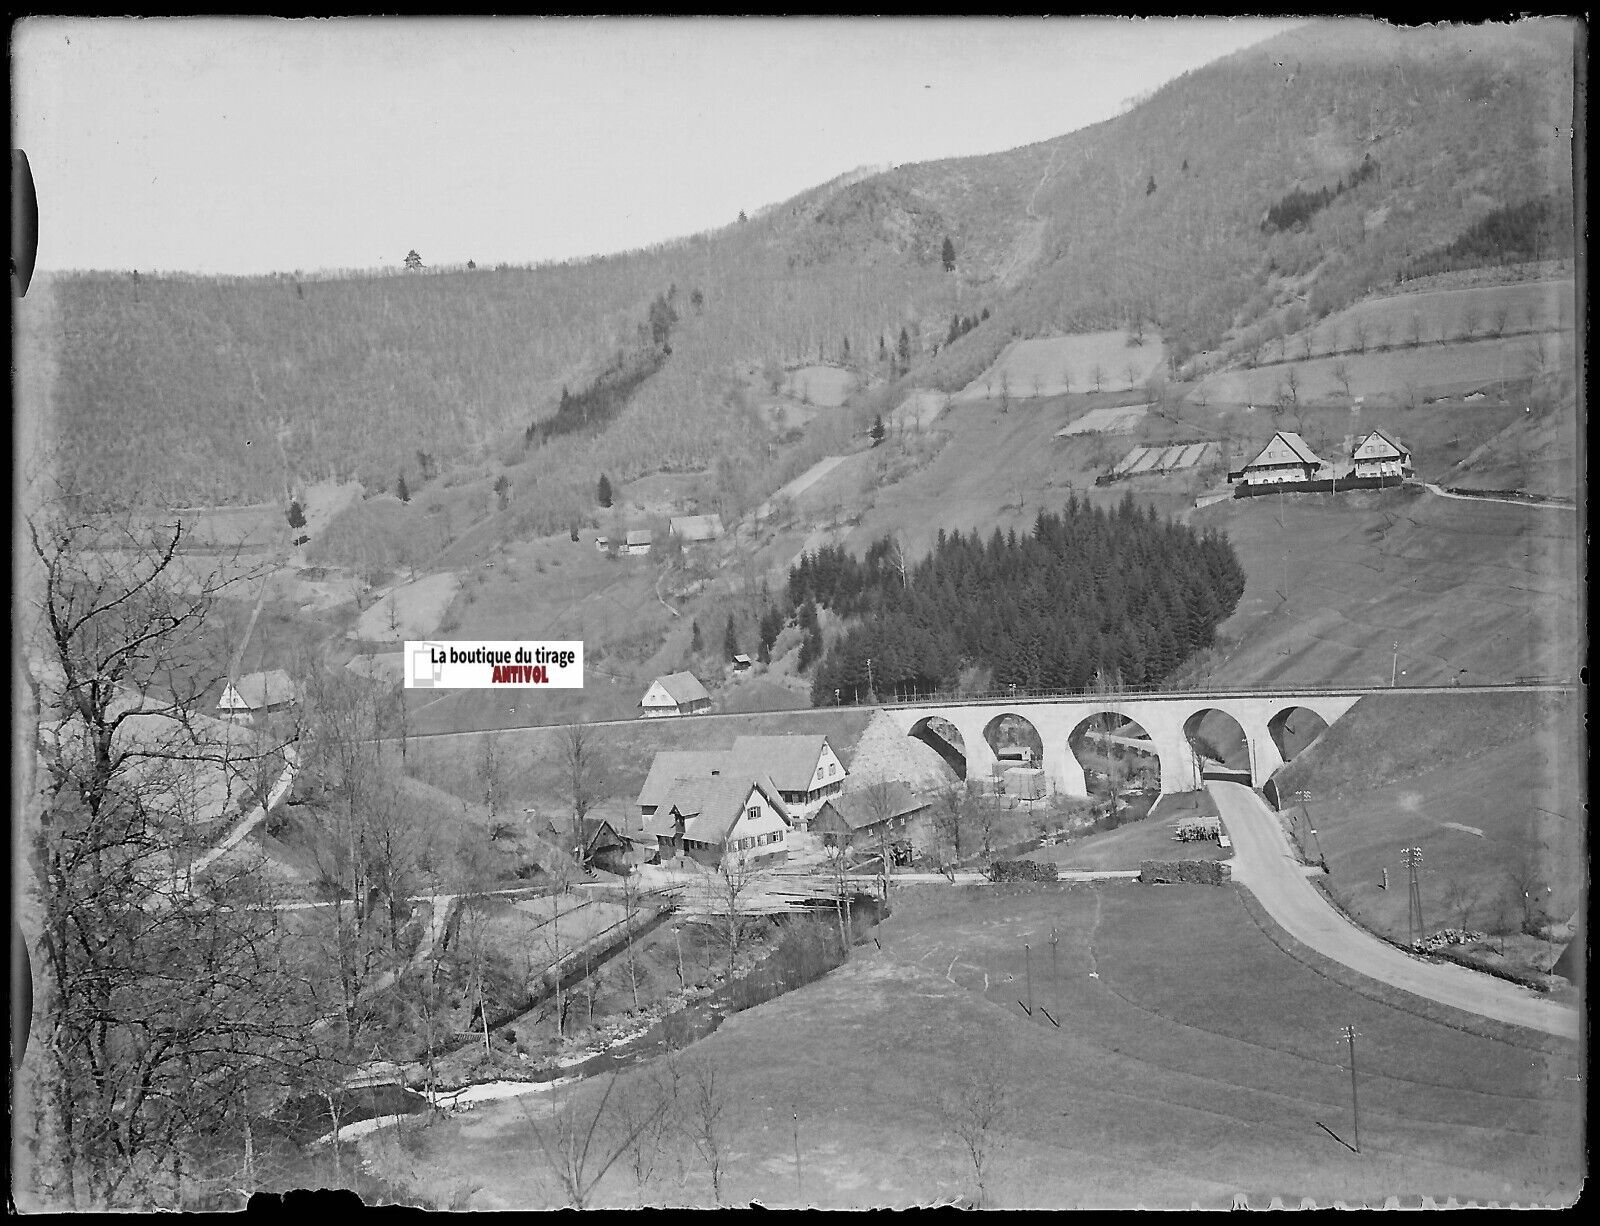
1220 746
945 739
1121 766
1294 730
1018 757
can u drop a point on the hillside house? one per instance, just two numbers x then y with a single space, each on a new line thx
1380 455
805 768
864 818
671 765
256 695
722 822
637 543
692 529
675 694
1286 458
741 663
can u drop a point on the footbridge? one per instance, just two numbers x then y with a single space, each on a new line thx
1177 728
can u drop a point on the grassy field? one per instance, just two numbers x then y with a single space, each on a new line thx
1052 365
1445 314
1194 1061
827 386
1436 366
1489 786
410 611
1470 591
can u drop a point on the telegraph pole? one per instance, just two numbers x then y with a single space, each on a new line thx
1027 964
1412 857
1394 664
1349 1033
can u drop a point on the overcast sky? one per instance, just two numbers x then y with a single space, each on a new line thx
250 144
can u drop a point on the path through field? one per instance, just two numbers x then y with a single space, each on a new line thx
1264 864
803 482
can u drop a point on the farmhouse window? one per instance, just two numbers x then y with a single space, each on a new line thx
753 812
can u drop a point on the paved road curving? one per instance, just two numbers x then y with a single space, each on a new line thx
1264 864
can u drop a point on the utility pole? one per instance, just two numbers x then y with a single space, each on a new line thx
1394 663
1027 971
1349 1033
1412 857
872 690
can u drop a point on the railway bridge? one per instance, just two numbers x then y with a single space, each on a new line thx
965 733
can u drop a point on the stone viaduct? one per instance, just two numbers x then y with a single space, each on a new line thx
1168 719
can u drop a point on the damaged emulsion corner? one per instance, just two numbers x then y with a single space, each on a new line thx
1174 578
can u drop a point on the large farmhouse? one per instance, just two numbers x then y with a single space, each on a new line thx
675 694
1380 455
722 821
805 768
1285 458
691 529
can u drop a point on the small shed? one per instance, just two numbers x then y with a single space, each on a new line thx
741 663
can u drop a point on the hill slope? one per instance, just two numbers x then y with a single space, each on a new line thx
231 390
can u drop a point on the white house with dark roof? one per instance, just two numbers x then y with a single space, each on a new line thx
1381 455
675 694
722 821
805 768
256 694
1285 458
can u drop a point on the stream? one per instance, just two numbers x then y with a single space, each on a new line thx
366 1110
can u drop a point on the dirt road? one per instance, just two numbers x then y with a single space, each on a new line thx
1264 864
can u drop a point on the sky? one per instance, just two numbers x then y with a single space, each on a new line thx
252 145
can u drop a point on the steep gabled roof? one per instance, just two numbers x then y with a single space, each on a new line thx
862 808
790 760
691 528
710 806
1399 447
683 687
1291 442
671 765
639 536
258 690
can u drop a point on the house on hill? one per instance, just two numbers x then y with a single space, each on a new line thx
722 821
805 768
867 817
637 543
1380 455
675 694
257 694
691 529
1286 458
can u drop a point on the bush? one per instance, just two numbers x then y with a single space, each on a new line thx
1021 870
1186 872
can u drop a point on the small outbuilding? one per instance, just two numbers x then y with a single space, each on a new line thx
741 663
675 694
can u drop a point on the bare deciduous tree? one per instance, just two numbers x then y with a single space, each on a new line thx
973 1110
159 1005
580 1150
705 1103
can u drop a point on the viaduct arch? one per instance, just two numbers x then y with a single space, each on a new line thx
1164 717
